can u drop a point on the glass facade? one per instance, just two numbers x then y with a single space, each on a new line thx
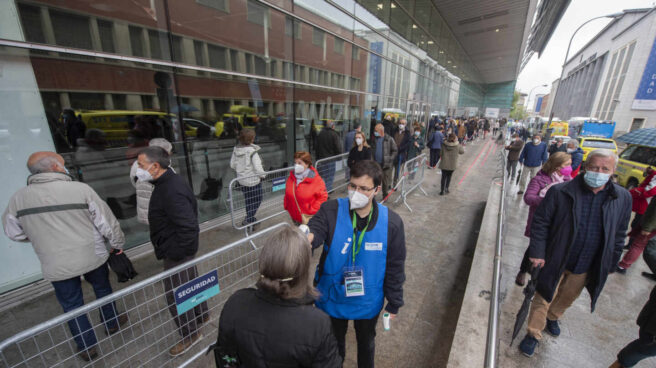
96 81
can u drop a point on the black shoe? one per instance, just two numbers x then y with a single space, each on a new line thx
446 191
527 346
620 270
87 355
648 275
442 193
552 328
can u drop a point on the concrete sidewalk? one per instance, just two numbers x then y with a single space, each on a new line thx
587 340
441 234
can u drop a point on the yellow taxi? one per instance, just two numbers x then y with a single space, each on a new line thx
589 144
633 162
116 124
239 114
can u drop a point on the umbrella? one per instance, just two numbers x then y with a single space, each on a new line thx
645 137
121 265
529 291
183 108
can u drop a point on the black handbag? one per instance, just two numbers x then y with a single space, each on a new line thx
210 187
121 265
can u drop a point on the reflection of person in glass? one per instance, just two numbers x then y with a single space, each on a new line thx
247 163
68 225
75 128
144 188
173 220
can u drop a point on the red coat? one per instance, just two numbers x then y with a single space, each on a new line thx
310 194
640 194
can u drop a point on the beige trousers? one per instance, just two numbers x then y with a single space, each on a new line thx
569 288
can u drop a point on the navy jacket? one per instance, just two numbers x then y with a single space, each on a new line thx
554 230
577 158
534 156
435 140
173 218
349 138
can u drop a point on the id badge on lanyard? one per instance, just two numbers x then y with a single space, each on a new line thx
354 275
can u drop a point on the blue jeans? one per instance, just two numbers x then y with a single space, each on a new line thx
253 198
69 295
400 160
327 172
637 350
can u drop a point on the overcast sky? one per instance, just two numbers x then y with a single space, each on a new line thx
547 68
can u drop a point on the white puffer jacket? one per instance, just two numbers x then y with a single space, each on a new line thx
144 190
67 223
247 163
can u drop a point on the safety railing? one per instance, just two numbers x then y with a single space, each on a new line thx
334 171
194 292
411 178
492 346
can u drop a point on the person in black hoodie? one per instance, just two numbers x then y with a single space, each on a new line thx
173 219
276 323
645 346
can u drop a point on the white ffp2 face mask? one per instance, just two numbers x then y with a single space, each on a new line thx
298 169
144 175
357 199
358 141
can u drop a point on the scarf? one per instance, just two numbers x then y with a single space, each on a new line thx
301 176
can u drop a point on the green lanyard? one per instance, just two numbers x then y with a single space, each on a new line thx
359 242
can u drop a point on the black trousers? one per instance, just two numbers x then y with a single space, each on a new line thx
434 156
365 334
446 179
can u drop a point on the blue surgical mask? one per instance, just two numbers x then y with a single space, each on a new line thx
376 134
596 179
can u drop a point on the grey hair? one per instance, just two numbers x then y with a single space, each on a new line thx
161 142
44 165
157 154
574 143
601 153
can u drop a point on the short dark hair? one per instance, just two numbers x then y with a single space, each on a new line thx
356 125
157 154
246 136
369 168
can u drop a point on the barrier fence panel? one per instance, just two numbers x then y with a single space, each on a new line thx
334 171
150 331
412 177
257 198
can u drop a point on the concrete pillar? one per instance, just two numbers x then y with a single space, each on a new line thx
211 110
188 51
241 62
95 34
122 40
64 100
109 102
133 102
197 103
146 43
155 100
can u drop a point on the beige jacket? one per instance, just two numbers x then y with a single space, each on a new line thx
67 223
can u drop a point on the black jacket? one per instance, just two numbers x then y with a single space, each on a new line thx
554 148
322 225
328 143
357 156
647 317
173 218
262 330
553 231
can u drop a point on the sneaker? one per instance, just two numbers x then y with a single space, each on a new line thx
620 270
552 328
186 344
87 355
527 346
122 319
648 275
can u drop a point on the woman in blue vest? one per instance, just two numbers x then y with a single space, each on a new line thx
362 262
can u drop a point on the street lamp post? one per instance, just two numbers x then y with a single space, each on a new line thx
562 73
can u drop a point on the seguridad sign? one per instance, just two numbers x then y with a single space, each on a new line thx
196 291
645 98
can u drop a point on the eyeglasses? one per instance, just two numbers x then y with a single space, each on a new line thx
352 186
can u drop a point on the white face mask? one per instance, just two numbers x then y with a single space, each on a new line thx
358 141
357 199
417 134
298 169
402 127
570 150
536 141
144 175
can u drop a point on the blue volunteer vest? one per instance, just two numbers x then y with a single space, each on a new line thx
372 259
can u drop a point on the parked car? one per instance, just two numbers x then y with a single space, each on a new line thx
633 162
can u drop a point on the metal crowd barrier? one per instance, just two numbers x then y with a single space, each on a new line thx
265 199
150 332
412 177
492 347
333 170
